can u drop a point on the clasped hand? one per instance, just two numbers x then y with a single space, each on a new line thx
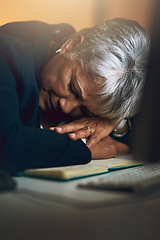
96 131
93 129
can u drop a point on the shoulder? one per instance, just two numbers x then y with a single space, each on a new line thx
63 28
21 30
31 30
23 25
36 26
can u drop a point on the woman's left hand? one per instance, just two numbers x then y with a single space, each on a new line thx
108 148
94 129
104 149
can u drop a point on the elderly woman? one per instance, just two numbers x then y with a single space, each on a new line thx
49 73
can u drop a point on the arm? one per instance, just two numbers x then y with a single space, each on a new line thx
22 144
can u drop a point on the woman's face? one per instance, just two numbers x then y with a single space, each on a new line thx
66 88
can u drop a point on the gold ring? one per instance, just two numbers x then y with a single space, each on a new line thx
90 131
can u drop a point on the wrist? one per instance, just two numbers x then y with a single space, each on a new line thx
123 127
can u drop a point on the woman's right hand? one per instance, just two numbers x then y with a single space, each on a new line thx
94 129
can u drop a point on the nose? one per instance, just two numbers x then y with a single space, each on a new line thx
68 104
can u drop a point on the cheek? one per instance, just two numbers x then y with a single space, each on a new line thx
43 96
48 76
76 112
59 87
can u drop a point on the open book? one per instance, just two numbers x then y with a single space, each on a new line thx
77 171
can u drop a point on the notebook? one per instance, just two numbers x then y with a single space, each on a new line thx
95 167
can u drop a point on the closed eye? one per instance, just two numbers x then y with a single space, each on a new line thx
72 88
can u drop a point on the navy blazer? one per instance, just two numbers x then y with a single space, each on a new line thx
23 50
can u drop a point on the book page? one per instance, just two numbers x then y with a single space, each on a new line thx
94 167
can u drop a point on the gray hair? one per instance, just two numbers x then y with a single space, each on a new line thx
115 54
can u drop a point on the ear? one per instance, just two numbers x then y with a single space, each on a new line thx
70 44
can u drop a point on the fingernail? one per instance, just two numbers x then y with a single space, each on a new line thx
72 135
58 129
51 128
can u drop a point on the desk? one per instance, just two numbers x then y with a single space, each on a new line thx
43 209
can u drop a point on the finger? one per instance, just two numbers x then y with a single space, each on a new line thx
70 127
93 140
97 136
79 134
